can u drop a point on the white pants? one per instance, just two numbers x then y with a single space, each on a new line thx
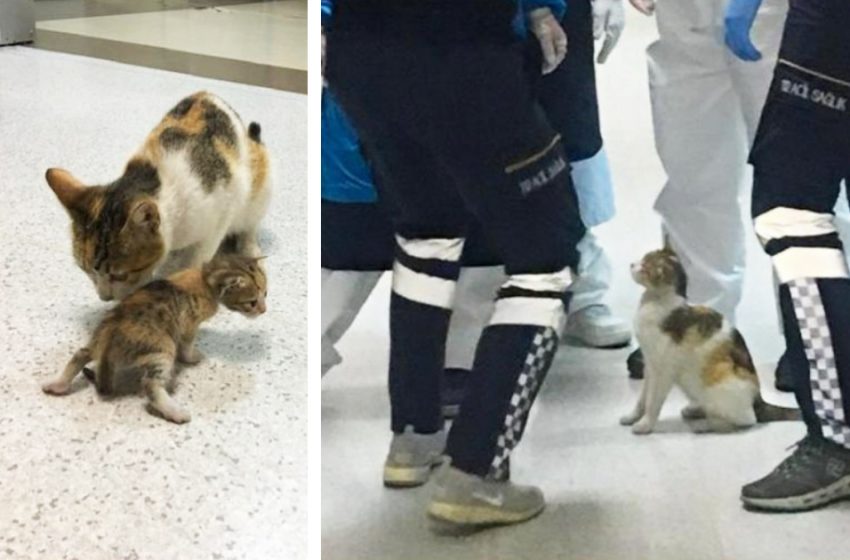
706 106
343 294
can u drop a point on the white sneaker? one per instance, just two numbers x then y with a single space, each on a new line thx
597 327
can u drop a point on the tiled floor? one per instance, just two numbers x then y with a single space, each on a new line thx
611 495
86 479
263 43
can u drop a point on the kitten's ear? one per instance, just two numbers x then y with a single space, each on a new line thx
66 187
253 262
144 214
231 283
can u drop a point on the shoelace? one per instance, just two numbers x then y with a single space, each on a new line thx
807 451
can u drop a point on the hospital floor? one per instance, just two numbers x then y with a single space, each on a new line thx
610 494
258 43
88 479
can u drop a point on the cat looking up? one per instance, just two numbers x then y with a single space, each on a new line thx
692 346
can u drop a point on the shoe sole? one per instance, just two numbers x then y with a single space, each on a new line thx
836 491
478 516
408 477
615 344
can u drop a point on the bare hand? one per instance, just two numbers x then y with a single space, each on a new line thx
553 39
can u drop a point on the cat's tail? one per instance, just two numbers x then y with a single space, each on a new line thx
766 412
254 132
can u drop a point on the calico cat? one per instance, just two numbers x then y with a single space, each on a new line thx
144 334
199 177
693 347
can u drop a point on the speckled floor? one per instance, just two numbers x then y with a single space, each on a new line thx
611 495
86 479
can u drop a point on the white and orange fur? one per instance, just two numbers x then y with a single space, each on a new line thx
695 348
187 211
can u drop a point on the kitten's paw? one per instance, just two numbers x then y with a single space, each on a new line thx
191 358
57 387
693 412
171 412
630 418
642 428
177 415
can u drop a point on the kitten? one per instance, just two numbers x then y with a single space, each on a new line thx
199 177
693 347
144 334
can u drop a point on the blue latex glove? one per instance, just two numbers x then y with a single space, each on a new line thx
738 21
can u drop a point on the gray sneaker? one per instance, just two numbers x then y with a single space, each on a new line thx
816 474
411 458
597 327
463 499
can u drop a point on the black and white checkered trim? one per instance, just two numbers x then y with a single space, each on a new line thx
536 365
823 374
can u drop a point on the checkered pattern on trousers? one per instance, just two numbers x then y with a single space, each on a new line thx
534 369
823 374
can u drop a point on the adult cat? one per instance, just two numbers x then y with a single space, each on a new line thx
199 177
693 347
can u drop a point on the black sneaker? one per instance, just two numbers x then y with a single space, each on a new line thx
635 364
816 474
454 389
784 375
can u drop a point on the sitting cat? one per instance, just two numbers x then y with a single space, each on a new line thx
144 334
199 177
695 348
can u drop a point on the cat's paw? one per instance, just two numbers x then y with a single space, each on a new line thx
693 412
630 418
191 358
642 428
57 387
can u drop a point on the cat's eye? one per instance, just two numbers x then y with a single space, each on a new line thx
253 303
118 277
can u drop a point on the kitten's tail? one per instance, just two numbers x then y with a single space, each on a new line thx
766 412
254 132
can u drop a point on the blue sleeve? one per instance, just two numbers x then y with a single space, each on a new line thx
346 177
327 10
558 7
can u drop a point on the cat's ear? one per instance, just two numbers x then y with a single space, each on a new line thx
144 214
66 187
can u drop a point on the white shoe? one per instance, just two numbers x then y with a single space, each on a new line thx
597 327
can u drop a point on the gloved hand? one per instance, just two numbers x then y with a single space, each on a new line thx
553 40
646 7
609 19
739 18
